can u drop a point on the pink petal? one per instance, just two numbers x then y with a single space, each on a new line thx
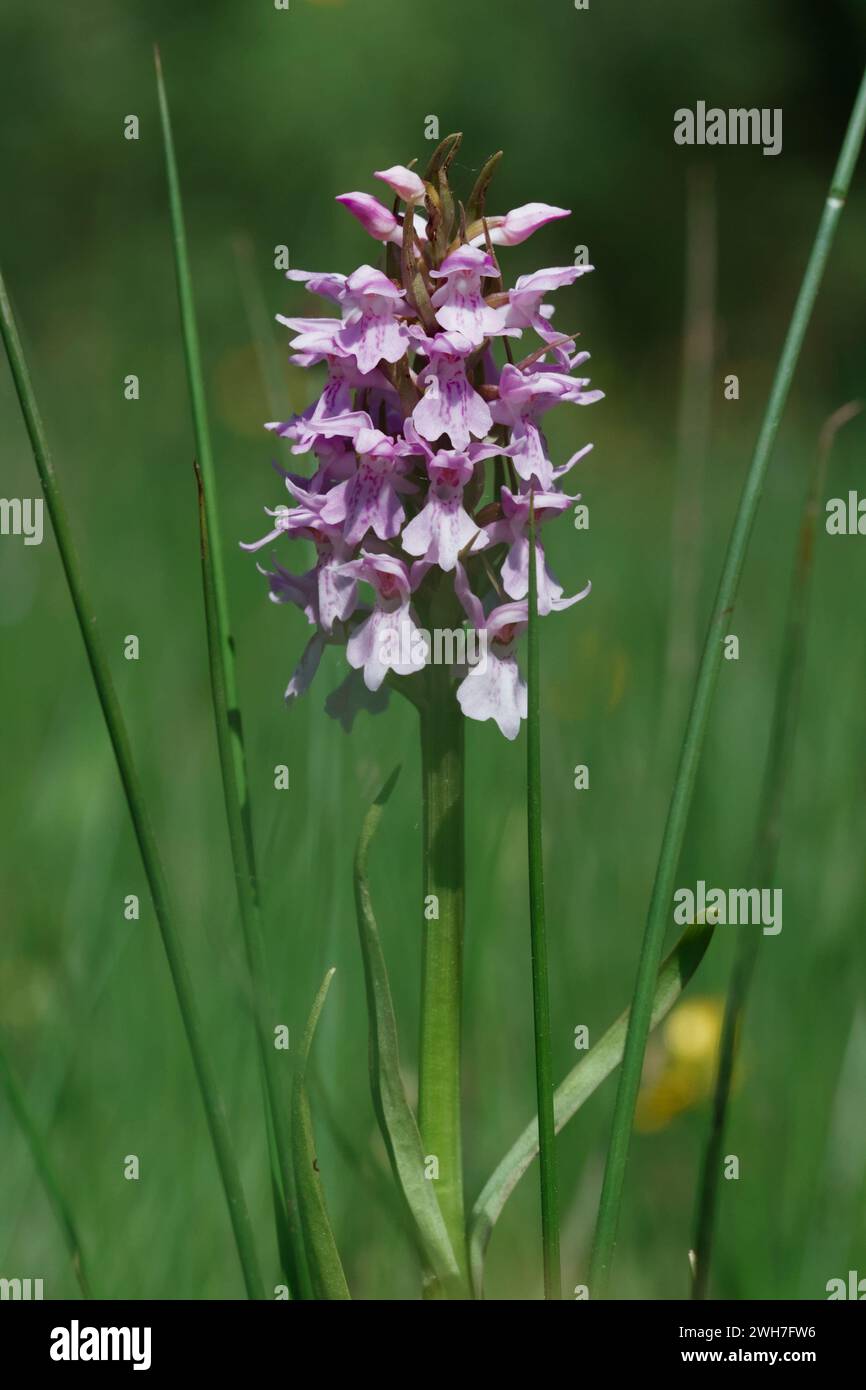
521 222
403 181
373 216
495 689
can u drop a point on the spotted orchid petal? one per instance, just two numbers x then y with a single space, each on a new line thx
395 455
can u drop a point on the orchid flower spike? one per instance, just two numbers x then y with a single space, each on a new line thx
423 452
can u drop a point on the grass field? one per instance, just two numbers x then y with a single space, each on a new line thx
275 114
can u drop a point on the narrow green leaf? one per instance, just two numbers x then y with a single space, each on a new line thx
369 1173
229 732
694 736
396 1121
584 1078
289 1239
329 1281
538 950
765 853
45 1168
150 858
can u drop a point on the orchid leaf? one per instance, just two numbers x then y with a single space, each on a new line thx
326 1270
582 1081
396 1121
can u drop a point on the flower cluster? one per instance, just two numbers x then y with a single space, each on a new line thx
428 463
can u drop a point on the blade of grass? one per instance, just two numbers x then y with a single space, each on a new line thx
329 1281
45 1169
766 851
101 671
204 453
581 1082
228 727
358 1161
289 1237
702 699
397 1124
538 939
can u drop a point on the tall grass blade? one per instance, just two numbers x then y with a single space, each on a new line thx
393 1112
367 1171
538 936
702 699
45 1169
582 1081
276 1106
228 723
204 454
214 1108
766 851
326 1269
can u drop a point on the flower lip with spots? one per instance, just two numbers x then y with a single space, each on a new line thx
459 303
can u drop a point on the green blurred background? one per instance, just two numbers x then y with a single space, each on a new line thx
275 113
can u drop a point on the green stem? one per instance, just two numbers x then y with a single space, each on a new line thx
204 451
766 852
693 741
276 1104
538 935
99 666
442 772
227 716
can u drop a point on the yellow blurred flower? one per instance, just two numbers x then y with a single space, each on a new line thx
680 1069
